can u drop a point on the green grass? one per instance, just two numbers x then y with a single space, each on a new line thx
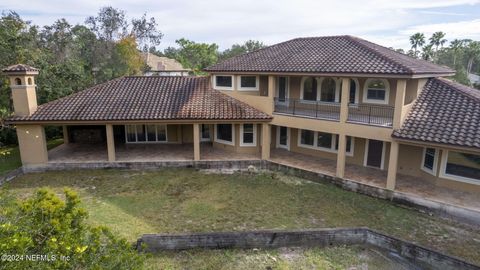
186 200
10 156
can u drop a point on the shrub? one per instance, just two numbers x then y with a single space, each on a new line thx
46 225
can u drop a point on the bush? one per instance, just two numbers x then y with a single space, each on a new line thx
46 225
8 136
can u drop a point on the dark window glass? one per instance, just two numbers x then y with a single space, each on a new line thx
161 133
429 159
349 143
328 90
376 94
248 133
310 89
353 91
283 135
223 81
307 137
248 81
224 132
324 140
463 165
141 133
205 132
282 88
151 133
131 134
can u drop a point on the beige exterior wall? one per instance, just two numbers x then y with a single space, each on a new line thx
236 147
32 144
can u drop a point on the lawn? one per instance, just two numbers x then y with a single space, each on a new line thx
187 200
10 156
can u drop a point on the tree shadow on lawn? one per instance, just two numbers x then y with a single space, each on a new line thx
186 200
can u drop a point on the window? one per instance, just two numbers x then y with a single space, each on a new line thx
224 134
376 91
461 167
18 81
30 82
283 135
248 133
353 92
323 141
282 90
248 83
223 82
145 133
309 89
429 163
307 137
205 132
328 90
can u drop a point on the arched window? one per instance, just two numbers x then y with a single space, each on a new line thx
328 90
30 81
18 81
353 92
309 89
376 91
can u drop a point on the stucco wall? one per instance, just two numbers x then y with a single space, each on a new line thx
236 147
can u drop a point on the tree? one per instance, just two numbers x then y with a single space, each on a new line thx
237 49
109 24
417 40
456 45
146 32
473 54
427 52
195 56
128 55
44 224
437 40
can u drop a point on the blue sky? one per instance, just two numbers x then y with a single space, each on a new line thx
227 22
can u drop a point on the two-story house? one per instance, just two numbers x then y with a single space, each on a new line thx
325 100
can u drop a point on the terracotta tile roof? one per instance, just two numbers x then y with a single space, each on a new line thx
445 113
19 68
334 54
146 98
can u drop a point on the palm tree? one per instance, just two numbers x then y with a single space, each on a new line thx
417 40
473 52
437 40
456 45
427 52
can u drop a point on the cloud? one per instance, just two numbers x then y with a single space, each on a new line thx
228 22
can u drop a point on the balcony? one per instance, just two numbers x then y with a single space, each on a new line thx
315 109
375 115
369 114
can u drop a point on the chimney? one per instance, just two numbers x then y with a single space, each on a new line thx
22 83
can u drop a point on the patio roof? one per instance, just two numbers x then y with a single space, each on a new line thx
145 98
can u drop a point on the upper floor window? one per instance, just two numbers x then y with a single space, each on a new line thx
223 82
309 89
248 83
328 90
282 89
353 91
376 91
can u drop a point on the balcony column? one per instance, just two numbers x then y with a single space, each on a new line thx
196 141
272 81
66 138
345 98
110 143
399 100
266 136
392 165
341 155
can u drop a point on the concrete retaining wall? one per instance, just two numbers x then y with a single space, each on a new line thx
308 238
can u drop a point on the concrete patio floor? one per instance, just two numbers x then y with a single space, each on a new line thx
91 153
378 178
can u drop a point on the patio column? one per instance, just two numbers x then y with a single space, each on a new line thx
392 165
32 144
66 139
341 155
399 100
272 80
196 141
266 136
110 143
345 98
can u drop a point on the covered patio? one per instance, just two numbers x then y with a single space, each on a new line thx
378 178
85 153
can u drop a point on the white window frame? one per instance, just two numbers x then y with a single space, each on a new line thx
209 133
223 87
277 93
254 136
315 143
435 162
223 141
302 81
337 89
365 156
146 135
278 145
239 83
375 101
445 175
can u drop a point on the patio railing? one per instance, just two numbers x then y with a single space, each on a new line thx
316 109
378 115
